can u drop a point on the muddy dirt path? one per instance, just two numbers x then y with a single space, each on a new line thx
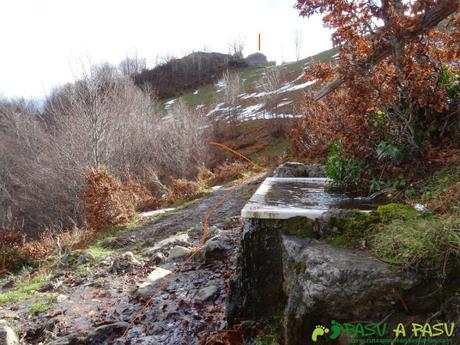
94 306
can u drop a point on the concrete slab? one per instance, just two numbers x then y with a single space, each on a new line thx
287 197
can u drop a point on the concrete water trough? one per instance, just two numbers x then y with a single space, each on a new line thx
287 197
292 209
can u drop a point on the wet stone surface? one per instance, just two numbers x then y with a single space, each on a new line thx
286 197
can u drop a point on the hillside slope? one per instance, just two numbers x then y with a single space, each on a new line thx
252 101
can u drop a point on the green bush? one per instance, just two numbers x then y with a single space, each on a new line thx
451 83
390 212
392 152
345 173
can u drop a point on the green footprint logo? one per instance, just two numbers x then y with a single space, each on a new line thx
318 332
335 328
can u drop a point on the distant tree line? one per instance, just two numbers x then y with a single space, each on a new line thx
177 75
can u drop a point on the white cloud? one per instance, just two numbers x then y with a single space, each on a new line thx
45 41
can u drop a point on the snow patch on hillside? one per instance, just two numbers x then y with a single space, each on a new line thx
284 103
168 104
287 87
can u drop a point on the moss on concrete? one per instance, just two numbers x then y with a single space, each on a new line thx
299 227
352 229
299 267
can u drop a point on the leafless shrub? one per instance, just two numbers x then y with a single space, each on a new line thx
236 46
37 187
101 120
232 89
270 81
132 65
180 143
106 120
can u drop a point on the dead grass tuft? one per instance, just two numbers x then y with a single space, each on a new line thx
447 200
228 172
107 203
140 197
183 190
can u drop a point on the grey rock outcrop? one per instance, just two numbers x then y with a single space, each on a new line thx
307 282
323 282
154 279
215 248
207 293
258 60
330 221
178 252
295 169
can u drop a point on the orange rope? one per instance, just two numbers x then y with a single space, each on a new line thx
236 153
203 239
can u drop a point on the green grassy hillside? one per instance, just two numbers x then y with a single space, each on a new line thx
208 94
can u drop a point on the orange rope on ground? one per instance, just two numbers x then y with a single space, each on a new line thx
236 153
203 239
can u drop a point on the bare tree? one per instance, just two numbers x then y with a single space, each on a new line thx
298 39
236 46
232 89
132 65
269 82
181 142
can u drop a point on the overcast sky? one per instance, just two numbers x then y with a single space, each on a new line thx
44 42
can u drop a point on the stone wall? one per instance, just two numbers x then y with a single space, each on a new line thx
305 282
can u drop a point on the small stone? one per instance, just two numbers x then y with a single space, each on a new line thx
125 263
155 277
215 248
10 315
85 258
178 239
9 285
7 335
207 293
158 258
107 262
178 252
77 258
233 222
295 169
61 298
211 231
52 285
421 208
98 335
